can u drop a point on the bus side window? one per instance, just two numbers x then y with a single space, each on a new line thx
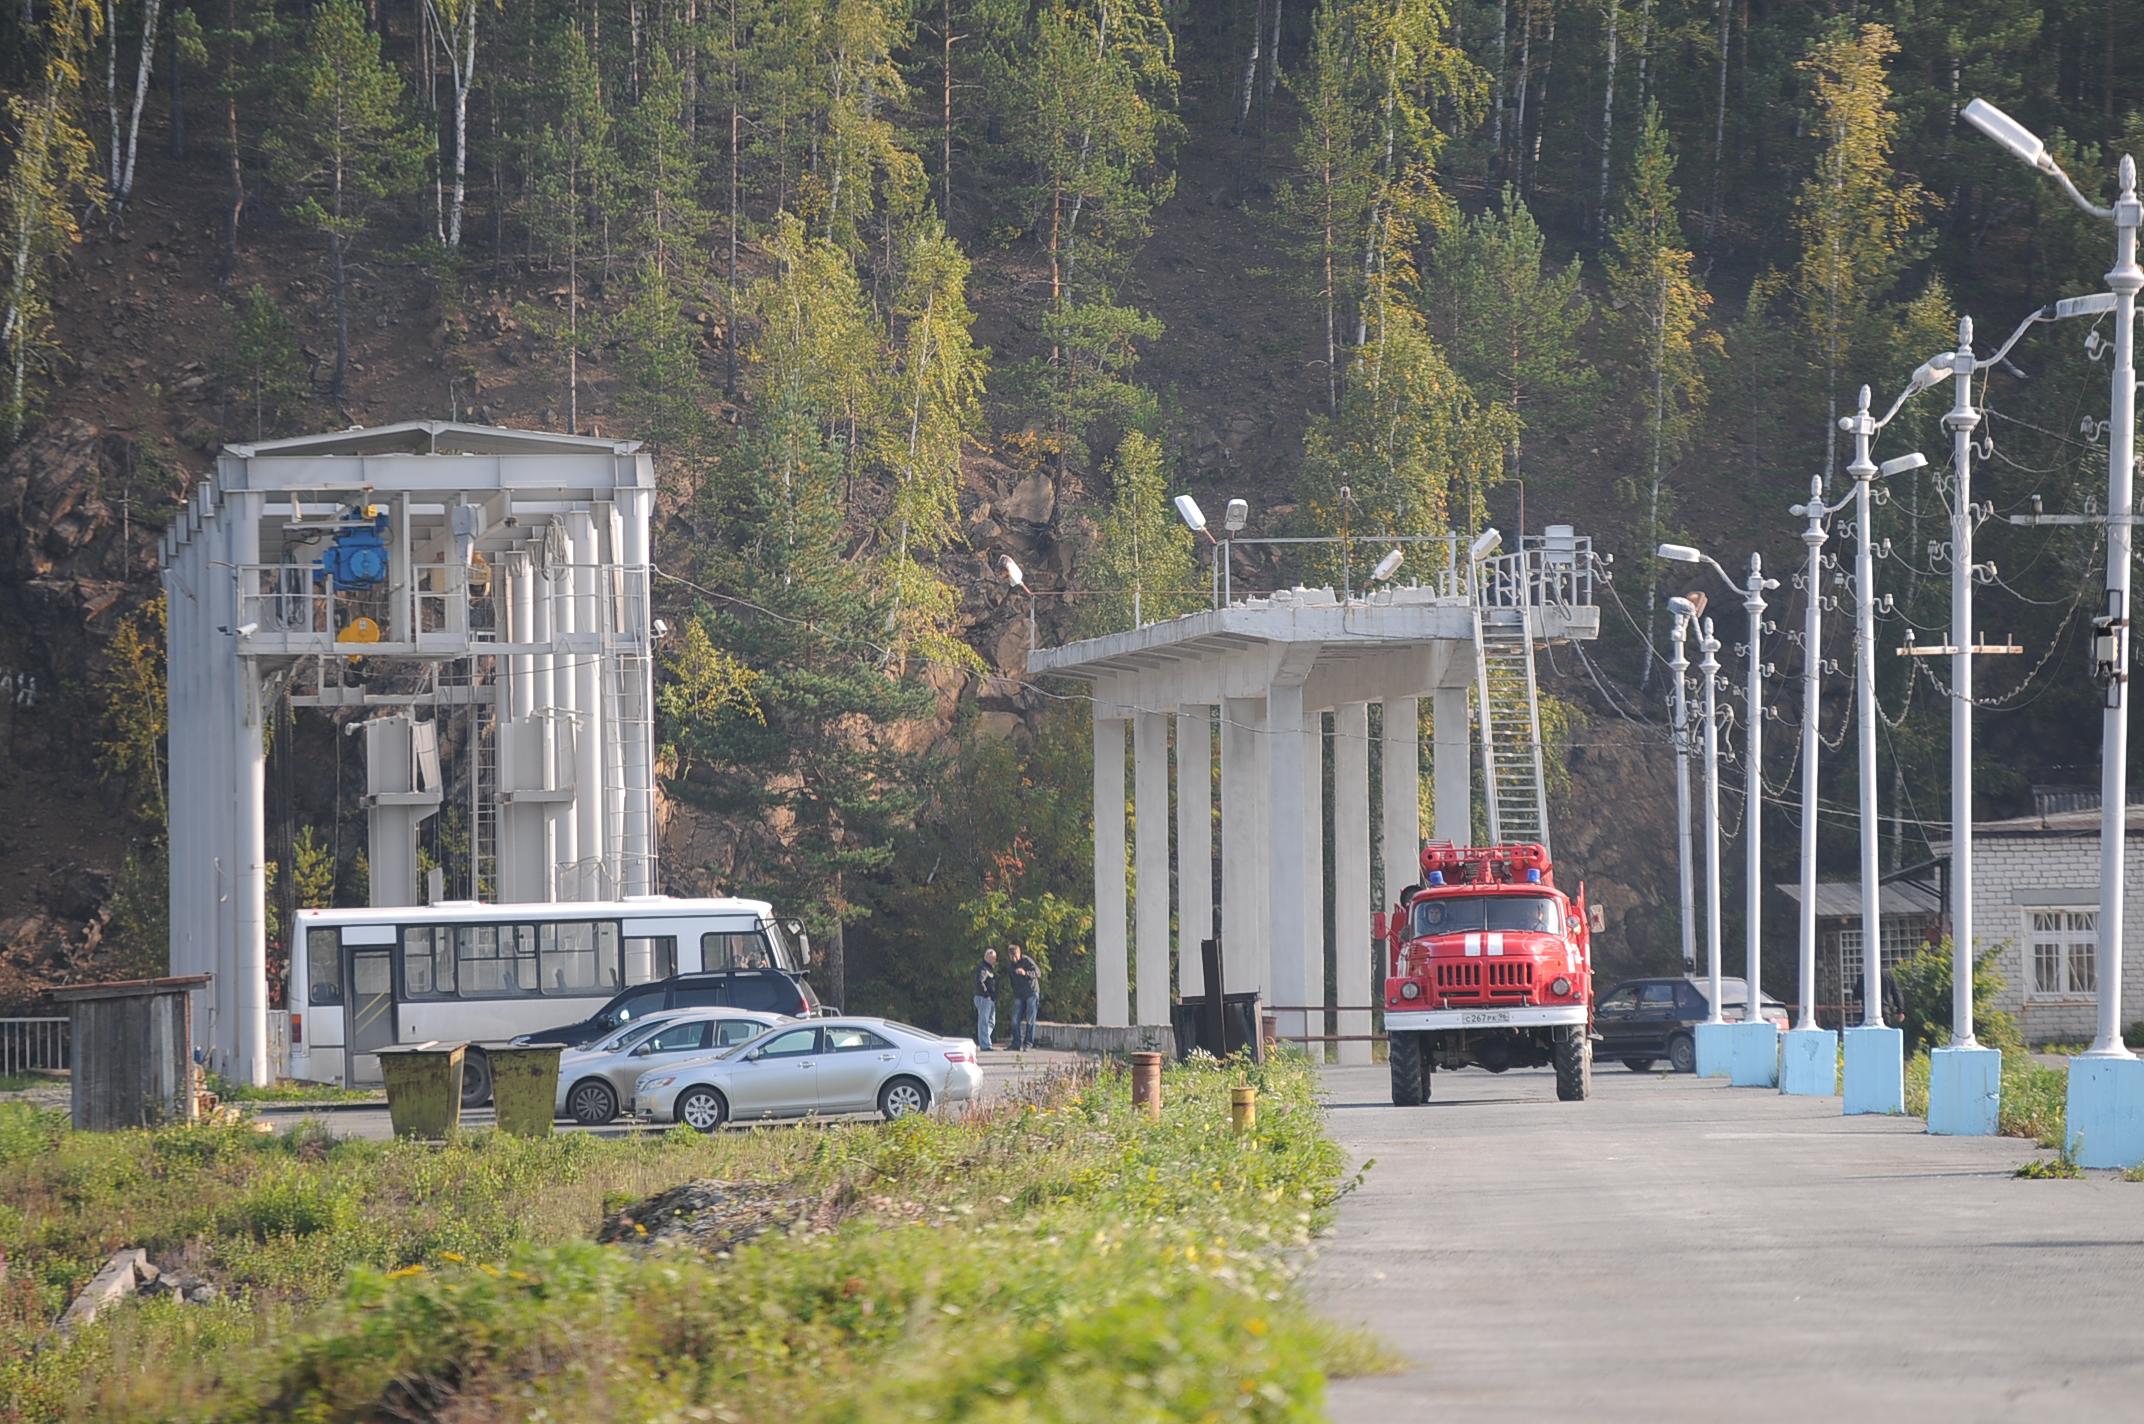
577 958
734 949
323 967
481 965
427 963
524 938
648 958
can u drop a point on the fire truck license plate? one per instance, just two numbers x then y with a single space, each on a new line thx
1482 1018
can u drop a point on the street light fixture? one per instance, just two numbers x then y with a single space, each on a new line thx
1387 566
2105 1121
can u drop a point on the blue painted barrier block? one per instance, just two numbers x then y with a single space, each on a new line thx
2106 1111
1875 1078
1809 1063
1965 1088
1712 1041
1753 1055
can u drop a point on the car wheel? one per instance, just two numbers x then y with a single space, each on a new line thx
1638 1065
592 1103
702 1109
1682 1053
476 1080
903 1097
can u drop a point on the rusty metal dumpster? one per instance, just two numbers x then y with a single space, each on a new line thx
424 1087
524 1086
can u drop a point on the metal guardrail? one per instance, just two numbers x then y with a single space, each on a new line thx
1322 1009
35 1044
1546 571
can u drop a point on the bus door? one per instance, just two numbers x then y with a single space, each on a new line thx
370 973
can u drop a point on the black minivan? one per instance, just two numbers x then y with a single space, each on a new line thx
773 991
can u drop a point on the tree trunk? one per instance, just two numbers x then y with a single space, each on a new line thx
1608 116
1273 57
461 64
237 207
1548 64
1719 123
1496 115
1524 89
945 165
1249 87
729 337
1645 57
1652 499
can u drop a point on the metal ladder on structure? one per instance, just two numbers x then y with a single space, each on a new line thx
483 791
1508 710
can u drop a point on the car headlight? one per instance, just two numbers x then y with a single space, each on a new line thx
648 1085
1410 990
1560 987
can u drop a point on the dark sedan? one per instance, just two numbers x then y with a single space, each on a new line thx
1641 1021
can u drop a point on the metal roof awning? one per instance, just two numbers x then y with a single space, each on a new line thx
437 437
1841 899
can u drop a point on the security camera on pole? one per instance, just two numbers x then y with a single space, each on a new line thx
1685 611
2106 1089
1752 1048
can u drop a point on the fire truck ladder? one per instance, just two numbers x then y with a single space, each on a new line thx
1509 711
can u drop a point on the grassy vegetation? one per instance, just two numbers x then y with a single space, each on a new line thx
1054 1258
231 1092
21 1082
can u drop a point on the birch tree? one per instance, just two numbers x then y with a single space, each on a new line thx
123 152
453 27
52 167
1660 310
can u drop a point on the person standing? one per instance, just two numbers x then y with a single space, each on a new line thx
1026 998
986 999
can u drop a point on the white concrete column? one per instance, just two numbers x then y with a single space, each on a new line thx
543 703
1316 957
566 729
1400 791
246 953
1351 876
1194 846
1243 854
1454 771
1288 917
1112 1007
1150 831
588 791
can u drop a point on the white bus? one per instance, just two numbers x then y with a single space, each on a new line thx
364 979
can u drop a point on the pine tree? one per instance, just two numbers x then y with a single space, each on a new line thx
1661 311
1514 325
52 165
343 146
1139 569
1855 215
575 189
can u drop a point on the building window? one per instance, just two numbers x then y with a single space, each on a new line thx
2062 952
1899 938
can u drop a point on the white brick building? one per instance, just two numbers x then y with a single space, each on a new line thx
2036 896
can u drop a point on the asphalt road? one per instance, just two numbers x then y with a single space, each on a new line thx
1002 1072
1680 1250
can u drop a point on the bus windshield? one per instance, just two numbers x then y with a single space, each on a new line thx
1457 914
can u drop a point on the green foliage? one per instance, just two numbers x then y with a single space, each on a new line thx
1140 567
130 691
387 1271
1924 984
259 361
312 871
2041 1169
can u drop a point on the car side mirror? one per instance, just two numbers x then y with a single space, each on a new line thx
644 1049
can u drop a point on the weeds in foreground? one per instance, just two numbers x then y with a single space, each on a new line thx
2044 1168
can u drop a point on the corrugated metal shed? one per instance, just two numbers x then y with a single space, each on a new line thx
133 1051
1841 899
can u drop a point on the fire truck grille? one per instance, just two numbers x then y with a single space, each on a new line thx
1484 980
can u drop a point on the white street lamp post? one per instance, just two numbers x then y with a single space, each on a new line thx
1708 668
2105 1121
1961 422
1684 612
1812 706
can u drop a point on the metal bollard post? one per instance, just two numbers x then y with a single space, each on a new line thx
1146 1084
1243 1109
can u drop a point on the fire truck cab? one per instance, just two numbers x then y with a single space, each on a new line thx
1488 963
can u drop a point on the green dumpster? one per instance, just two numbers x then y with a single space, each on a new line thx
424 1087
524 1086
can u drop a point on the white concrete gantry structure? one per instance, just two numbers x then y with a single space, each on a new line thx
1268 671
509 620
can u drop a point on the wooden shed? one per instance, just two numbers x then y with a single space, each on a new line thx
133 1051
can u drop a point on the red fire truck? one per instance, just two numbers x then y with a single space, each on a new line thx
1488 963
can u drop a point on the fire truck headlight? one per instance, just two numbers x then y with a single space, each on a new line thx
1560 987
1410 990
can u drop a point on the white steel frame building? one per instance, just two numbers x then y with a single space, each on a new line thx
513 616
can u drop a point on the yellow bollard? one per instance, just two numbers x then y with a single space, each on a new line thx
1146 1084
1243 1109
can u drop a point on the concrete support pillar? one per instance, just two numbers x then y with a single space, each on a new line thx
636 693
567 730
543 704
1288 917
589 836
1150 831
247 956
1316 859
1351 878
1194 846
1454 766
1400 790
1243 853
1112 1006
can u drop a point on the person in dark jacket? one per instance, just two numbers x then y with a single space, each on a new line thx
986 999
1026 997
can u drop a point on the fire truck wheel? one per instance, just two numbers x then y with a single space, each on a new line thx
1574 1064
1682 1054
1409 1073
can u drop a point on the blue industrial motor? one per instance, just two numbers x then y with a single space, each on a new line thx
358 557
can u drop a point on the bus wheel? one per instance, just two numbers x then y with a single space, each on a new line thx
476 1079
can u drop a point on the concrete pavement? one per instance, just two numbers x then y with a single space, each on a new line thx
1676 1249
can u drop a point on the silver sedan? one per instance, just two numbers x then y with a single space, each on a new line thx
841 1065
596 1083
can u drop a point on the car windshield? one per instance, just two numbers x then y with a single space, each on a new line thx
629 1037
1456 914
